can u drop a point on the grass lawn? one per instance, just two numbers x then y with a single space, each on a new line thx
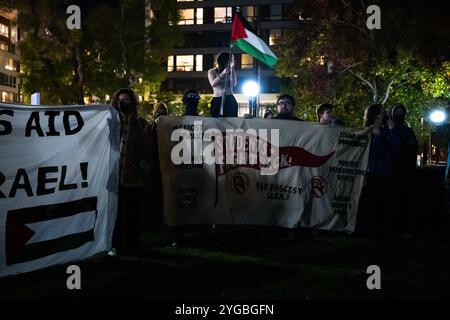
235 263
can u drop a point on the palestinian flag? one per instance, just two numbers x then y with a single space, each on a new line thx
250 43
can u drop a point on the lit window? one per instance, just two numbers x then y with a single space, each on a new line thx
222 15
275 12
7 96
191 16
4 30
199 16
246 61
186 16
170 66
185 63
274 36
10 64
199 62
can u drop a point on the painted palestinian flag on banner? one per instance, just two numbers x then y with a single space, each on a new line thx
250 43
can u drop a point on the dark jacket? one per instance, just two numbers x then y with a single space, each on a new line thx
405 159
383 149
285 116
135 157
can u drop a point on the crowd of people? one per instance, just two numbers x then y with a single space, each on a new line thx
386 192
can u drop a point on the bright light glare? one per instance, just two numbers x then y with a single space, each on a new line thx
438 116
250 88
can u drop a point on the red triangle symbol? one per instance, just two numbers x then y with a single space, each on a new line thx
237 30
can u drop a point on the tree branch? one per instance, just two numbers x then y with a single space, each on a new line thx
353 65
367 82
388 89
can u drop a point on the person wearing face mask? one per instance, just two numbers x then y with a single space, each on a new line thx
135 160
190 101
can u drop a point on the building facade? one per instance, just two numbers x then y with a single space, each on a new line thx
206 26
9 57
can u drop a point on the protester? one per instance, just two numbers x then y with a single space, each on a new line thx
404 166
285 108
325 115
223 79
269 114
190 101
379 180
153 202
159 109
135 161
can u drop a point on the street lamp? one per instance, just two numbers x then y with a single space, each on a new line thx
436 117
251 90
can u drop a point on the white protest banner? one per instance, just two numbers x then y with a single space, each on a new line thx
58 184
313 175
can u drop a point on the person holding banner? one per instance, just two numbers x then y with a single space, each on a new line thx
325 115
190 101
285 107
135 159
268 114
403 171
378 193
223 79
159 109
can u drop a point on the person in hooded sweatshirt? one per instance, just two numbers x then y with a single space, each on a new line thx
403 171
190 101
135 160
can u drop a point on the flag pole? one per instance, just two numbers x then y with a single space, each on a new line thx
258 76
258 67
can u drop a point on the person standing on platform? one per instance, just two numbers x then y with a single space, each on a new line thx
223 79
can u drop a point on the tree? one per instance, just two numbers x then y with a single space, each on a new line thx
119 44
333 57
